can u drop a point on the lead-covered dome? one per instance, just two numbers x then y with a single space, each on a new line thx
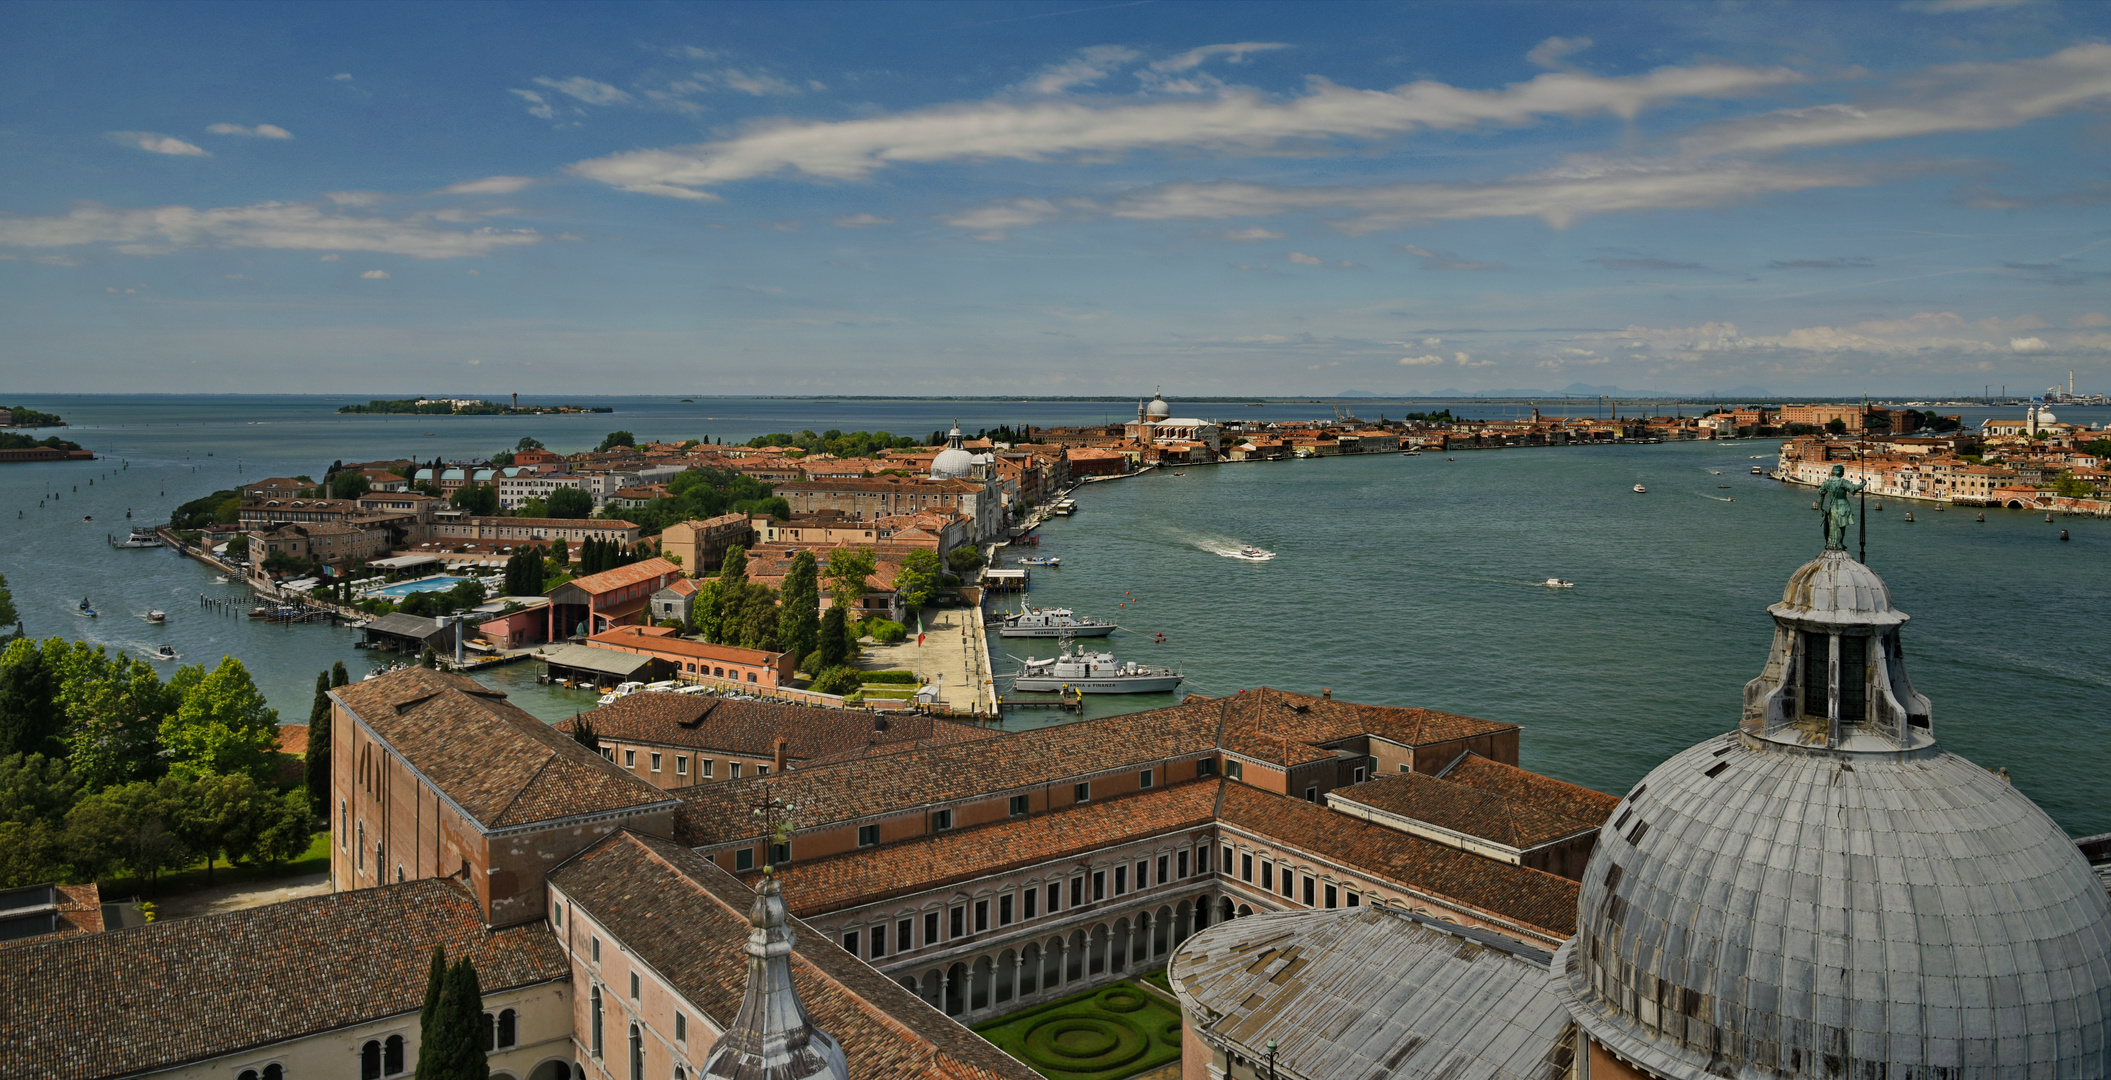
1826 892
953 462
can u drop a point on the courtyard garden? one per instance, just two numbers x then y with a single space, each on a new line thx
1106 1034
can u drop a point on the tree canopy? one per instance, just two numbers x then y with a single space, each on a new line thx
918 580
857 444
615 439
569 503
849 575
222 726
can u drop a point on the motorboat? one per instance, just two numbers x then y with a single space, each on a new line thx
157 616
1640 490
622 690
1757 471
86 610
1052 622
1253 554
1092 673
1722 487
1041 560
164 653
139 538
1410 453
1557 583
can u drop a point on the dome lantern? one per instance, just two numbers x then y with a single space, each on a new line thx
954 462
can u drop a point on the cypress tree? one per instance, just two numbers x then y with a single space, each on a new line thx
735 569
583 731
835 637
338 675
799 627
435 982
318 764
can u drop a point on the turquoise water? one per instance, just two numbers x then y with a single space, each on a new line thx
432 584
1409 581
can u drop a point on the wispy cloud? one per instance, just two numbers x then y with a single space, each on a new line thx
995 221
159 144
1445 260
490 185
374 275
1303 259
278 225
861 221
538 106
1089 66
1643 264
1237 121
1549 53
581 88
1851 262
261 131
1927 334
1249 235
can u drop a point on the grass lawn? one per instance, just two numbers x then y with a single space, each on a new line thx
1106 1034
315 860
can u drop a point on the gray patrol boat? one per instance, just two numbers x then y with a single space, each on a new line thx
1092 673
1052 622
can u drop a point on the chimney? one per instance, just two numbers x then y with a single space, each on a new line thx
782 744
1327 693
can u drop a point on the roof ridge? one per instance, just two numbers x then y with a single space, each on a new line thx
522 788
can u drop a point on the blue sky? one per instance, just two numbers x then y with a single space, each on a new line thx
1067 198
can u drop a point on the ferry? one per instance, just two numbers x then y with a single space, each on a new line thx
1092 673
1410 453
1757 471
1252 554
140 538
1052 622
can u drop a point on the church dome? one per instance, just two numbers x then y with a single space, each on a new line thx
1838 896
954 462
1157 409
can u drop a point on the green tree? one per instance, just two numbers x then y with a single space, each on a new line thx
8 615
616 439
965 560
451 1040
30 720
113 708
834 646
849 575
529 442
799 626
478 499
435 985
583 732
317 766
2071 486
734 569
570 503
561 555
349 485
1836 425
133 827
285 827
222 726
708 612
836 680
31 854
2099 448
223 816
35 788
917 581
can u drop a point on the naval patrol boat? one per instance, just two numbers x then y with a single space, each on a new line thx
1052 622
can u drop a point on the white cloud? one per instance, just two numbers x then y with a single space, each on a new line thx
1548 53
490 185
861 221
275 225
993 222
57 260
159 144
755 83
582 88
1252 234
1303 259
332 257
537 106
342 76
1180 75
1089 66
1923 336
2028 345
1429 360
261 131
1944 7
1235 53
374 275
1240 120
2093 319
1444 260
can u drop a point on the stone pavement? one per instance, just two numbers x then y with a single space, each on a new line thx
954 656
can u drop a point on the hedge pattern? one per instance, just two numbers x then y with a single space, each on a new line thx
1106 1034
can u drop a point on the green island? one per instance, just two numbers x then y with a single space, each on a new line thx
466 407
1105 1034
22 416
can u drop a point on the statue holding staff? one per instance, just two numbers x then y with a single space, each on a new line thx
1838 511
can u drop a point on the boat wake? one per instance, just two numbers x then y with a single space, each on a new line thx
1717 498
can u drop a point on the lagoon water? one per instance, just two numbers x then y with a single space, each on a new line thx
1409 581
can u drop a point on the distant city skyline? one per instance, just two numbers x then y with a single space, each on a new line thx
1901 200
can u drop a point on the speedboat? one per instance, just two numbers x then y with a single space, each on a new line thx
1253 554
164 653
1557 583
157 616
622 690
1092 673
1041 560
1052 622
1640 490
1757 471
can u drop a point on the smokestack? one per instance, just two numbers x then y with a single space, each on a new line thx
782 745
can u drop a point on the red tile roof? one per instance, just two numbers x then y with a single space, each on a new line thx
706 722
664 641
610 580
293 739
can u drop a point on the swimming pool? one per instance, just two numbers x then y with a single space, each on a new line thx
440 583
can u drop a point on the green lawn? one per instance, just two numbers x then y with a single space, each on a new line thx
315 860
1106 1034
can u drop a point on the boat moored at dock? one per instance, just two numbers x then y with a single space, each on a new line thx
1052 622
1092 673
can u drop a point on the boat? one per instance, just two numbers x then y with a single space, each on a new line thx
1640 490
1041 560
262 611
157 616
1052 622
1880 506
1253 554
1909 515
622 690
164 653
220 579
140 538
1183 473
1410 453
1757 471
1092 673
1722 487
1557 583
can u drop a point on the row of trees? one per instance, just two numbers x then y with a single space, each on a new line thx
106 767
857 444
597 554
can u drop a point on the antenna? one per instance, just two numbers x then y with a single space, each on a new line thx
1862 462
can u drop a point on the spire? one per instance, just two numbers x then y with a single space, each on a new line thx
772 1037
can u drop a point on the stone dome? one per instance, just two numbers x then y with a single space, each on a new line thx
953 462
1791 901
1157 409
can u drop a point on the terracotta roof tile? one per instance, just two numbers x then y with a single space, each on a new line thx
660 639
501 765
157 996
611 580
293 739
688 919
706 722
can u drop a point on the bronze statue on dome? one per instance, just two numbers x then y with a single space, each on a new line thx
1838 511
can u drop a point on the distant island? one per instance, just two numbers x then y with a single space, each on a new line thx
19 416
467 407
20 448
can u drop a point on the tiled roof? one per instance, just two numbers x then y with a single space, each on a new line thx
157 996
928 862
753 727
643 637
293 739
1490 815
501 765
622 576
1257 721
1529 790
1521 894
687 919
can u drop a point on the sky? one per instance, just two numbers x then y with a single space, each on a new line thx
1901 199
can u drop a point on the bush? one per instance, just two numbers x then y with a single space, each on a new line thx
884 631
964 560
836 680
898 678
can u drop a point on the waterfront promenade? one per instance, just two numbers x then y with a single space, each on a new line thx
954 659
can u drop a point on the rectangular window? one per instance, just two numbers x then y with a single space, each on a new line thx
930 928
557 916
1355 900
1121 880
1854 679
1077 891
1099 885
1358 774
957 922
1162 867
1055 897
879 941
593 948
1202 860
1331 897
1183 863
1144 781
1235 770
344 823
681 764
744 859
1081 792
902 938
1143 874
941 820
761 769
1031 897
1245 865
1268 876
1404 767
982 915
780 853
1312 794
1206 767
1004 910
868 835
681 1028
850 942
1308 892
633 986
1018 805
655 762
732 770
630 759
704 766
